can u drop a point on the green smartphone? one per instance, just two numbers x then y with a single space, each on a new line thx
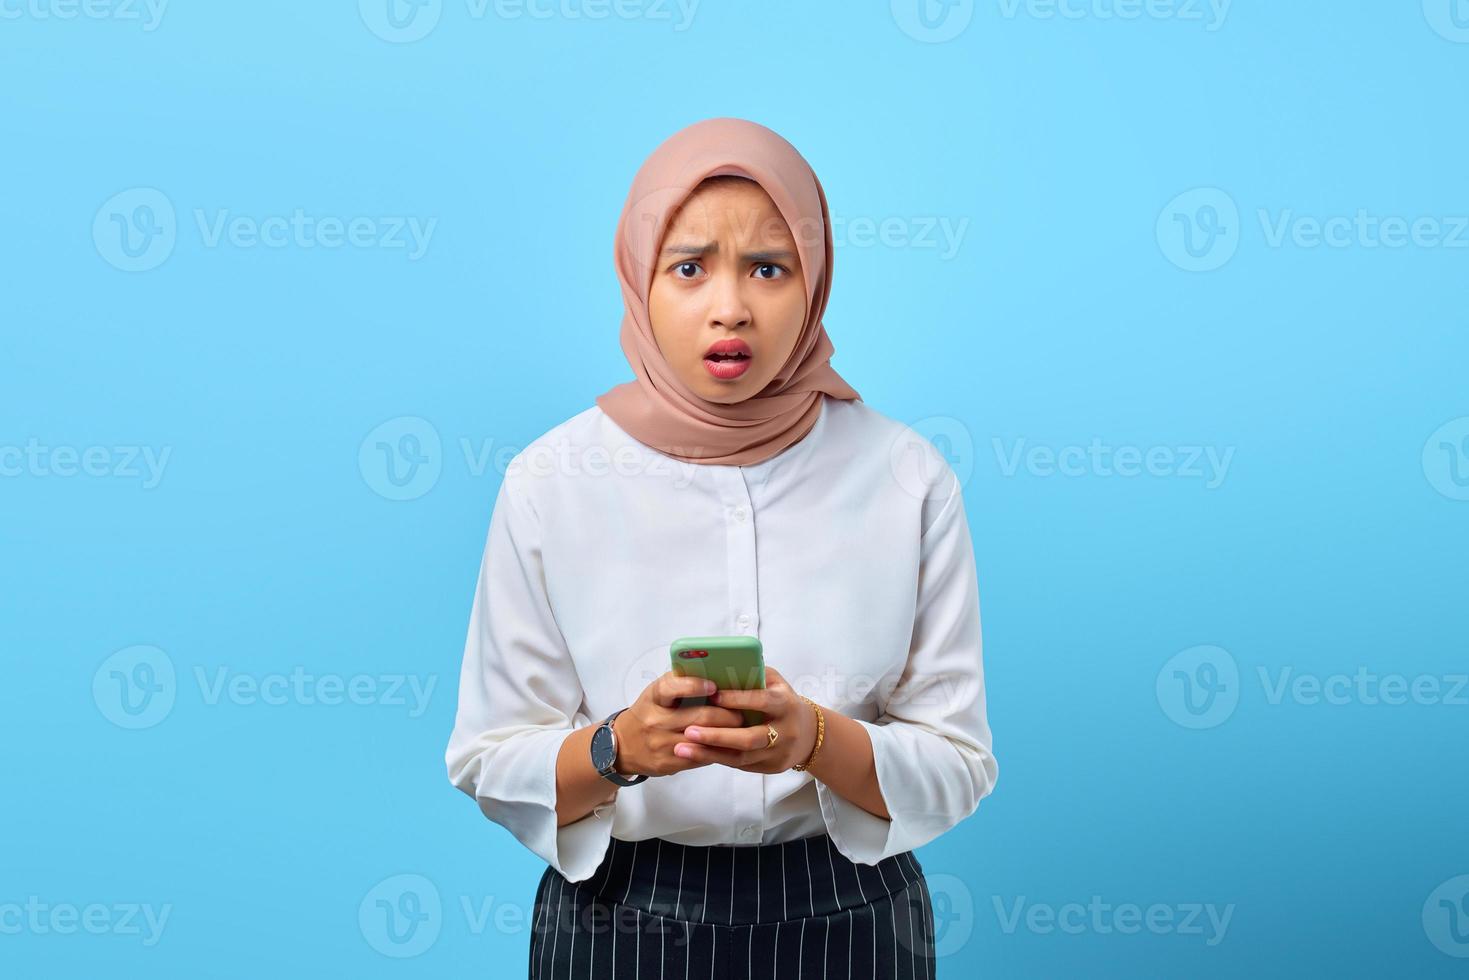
733 662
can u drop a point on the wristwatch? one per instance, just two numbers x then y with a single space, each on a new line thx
604 753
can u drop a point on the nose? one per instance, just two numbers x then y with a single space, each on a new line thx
728 307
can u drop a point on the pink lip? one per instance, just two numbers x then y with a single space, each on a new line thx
729 345
727 369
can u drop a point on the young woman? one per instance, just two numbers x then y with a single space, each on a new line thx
738 486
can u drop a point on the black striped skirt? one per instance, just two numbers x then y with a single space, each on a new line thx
656 909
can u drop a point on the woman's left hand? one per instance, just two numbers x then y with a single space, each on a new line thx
746 748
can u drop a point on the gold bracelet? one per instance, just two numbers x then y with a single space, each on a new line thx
820 736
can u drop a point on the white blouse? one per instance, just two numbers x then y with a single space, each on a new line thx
848 554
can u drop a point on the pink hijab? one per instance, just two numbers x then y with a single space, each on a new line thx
656 408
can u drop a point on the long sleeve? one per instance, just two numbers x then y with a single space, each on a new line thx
520 697
931 742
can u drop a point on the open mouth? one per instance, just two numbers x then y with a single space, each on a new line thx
728 350
728 359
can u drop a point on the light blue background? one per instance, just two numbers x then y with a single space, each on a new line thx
1334 543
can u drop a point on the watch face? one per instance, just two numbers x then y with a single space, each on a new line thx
603 755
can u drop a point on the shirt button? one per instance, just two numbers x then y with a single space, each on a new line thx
743 622
739 514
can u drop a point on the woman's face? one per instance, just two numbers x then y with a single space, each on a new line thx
727 270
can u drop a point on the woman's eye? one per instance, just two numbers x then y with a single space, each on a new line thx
693 266
770 266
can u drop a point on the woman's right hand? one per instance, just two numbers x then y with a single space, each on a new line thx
651 726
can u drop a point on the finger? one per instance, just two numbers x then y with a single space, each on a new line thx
708 715
744 739
731 698
670 687
708 754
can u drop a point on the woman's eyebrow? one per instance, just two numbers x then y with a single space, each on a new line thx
771 255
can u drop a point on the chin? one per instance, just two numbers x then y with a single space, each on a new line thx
724 394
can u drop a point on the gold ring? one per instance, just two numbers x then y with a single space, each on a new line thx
771 734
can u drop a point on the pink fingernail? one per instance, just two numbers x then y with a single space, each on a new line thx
692 732
683 751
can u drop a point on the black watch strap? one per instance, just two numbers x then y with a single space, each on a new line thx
605 735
